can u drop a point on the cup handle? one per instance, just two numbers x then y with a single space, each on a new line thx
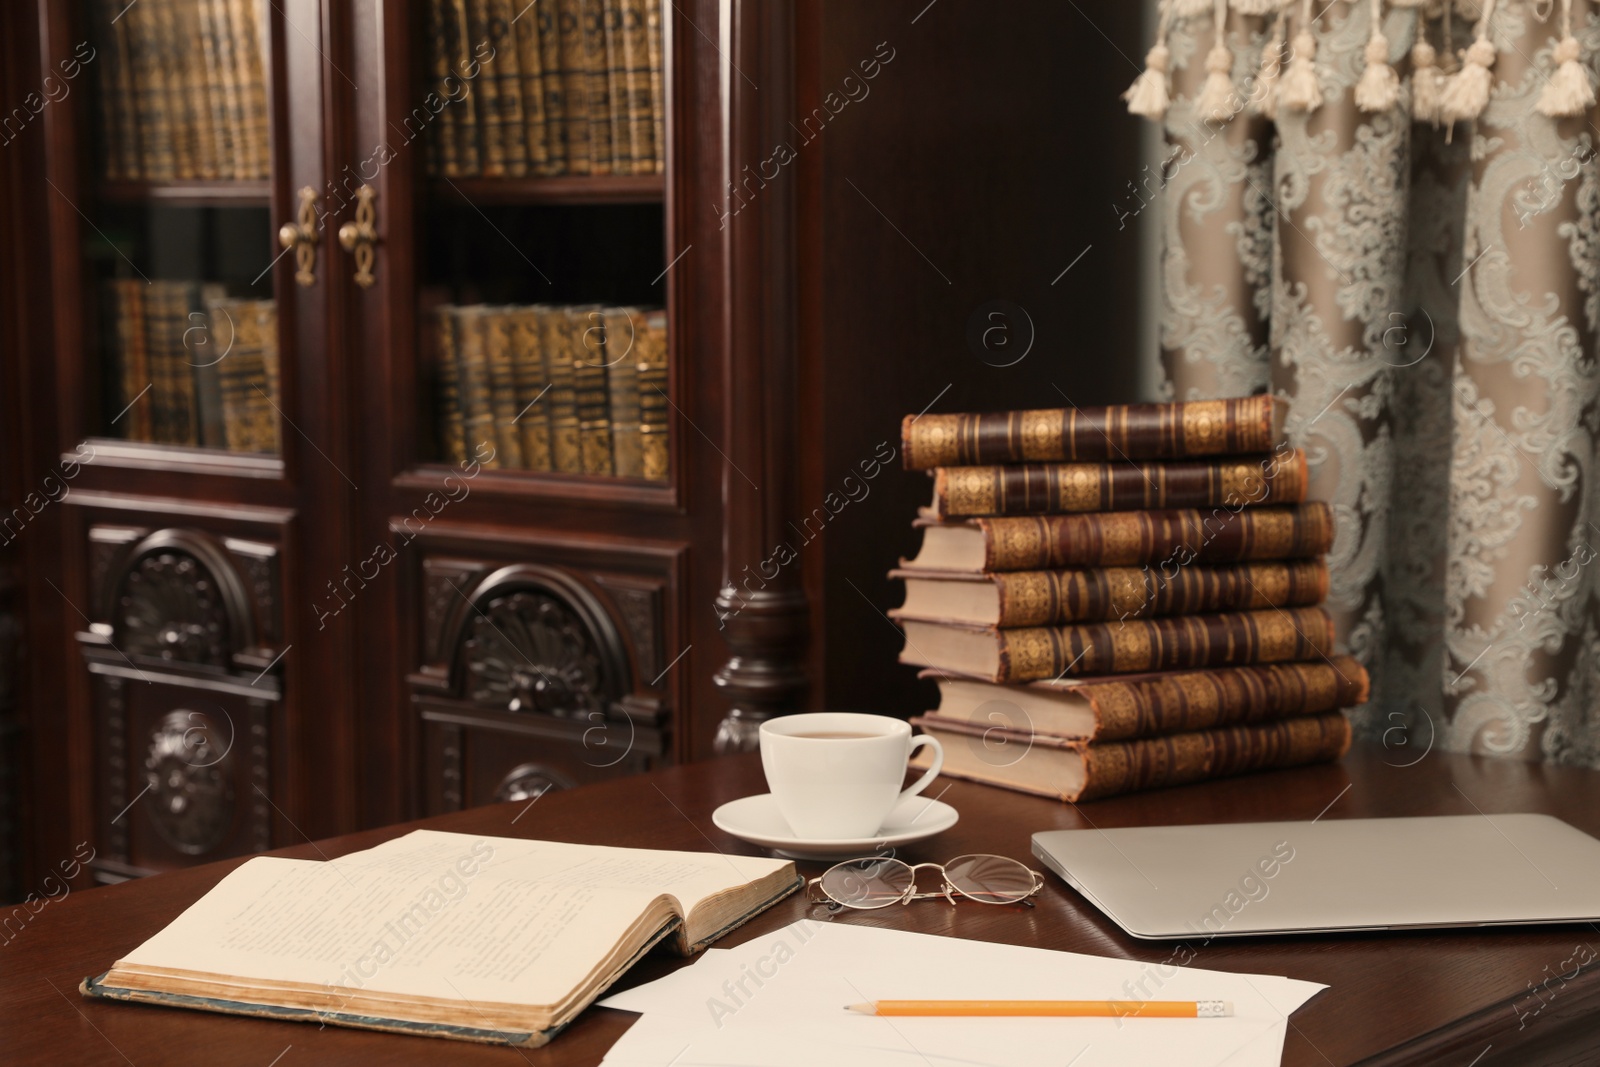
932 772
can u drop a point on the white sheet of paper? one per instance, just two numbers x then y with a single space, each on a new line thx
779 1000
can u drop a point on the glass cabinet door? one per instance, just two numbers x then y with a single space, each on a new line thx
180 317
542 336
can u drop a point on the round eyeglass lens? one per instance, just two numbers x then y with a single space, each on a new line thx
867 883
989 879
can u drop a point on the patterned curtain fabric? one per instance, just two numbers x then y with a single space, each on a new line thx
1427 295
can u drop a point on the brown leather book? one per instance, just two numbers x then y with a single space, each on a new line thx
452 428
506 69
591 395
528 368
598 84
1227 639
191 61
575 100
220 118
658 97
245 19
650 348
1046 488
446 154
497 341
133 358
636 81
487 88
617 88
470 114
1044 598
1151 705
566 454
530 65
231 108
1168 539
623 326
156 159
1124 431
1072 771
472 356
119 123
555 92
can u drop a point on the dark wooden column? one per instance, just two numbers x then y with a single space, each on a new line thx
761 607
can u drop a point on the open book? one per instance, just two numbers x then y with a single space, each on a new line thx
478 938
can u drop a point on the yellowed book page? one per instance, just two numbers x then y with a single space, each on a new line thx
443 916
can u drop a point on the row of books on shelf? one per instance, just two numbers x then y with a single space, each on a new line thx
558 87
1122 598
183 90
578 389
194 366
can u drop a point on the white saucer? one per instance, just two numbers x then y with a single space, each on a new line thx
757 820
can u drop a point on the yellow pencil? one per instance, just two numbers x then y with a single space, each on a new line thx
1119 1009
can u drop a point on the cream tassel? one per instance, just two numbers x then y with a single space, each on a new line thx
1379 87
1148 95
1467 94
1299 91
1568 91
1256 7
1425 82
1264 94
1217 100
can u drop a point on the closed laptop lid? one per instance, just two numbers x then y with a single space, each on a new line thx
1235 879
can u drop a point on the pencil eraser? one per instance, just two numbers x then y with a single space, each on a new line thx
1213 1009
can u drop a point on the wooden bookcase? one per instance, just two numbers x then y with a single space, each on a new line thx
228 650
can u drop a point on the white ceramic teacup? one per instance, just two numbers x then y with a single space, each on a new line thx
836 775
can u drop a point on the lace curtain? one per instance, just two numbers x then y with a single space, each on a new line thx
1427 295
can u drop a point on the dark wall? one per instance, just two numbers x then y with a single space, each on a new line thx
939 210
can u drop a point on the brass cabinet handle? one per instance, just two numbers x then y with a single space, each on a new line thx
359 236
301 236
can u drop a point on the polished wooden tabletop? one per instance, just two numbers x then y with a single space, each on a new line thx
1469 998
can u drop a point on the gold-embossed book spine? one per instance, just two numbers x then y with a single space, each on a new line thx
1091 594
1154 763
1170 539
1129 431
1051 488
1184 701
1177 643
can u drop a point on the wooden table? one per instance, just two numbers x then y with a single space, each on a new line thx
1512 996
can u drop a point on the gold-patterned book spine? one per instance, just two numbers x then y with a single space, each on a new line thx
133 357
566 455
218 115
1154 763
597 83
156 159
555 92
636 86
530 65
196 89
590 369
245 17
491 108
171 52
1092 594
270 434
1174 643
452 430
506 68
472 355
446 155
470 114
617 88
115 81
575 99
623 325
658 98
1169 539
528 367
1126 431
650 348
497 339
1181 701
1048 488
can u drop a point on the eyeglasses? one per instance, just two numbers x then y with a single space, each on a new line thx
878 882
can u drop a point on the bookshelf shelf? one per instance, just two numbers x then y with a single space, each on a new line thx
570 189
189 193
551 486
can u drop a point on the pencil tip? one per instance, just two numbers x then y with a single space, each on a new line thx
863 1009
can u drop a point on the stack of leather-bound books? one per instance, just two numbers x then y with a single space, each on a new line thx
1122 598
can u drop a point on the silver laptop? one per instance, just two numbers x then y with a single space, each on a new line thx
1234 879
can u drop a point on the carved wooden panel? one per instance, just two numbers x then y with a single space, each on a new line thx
639 605
169 607
529 651
444 584
188 776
